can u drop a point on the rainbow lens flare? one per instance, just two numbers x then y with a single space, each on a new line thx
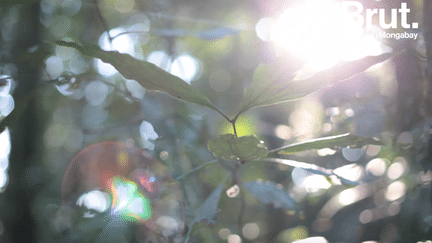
119 183
128 201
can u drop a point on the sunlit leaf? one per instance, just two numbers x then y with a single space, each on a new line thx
208 211
337 141
271 87
145 73
230 147
270 193
248 147
310 168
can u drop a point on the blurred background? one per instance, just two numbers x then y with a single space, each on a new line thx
55 102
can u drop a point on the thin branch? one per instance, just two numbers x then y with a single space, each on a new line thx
234 128
129 32
239 183
276 150
196 169
104 23
233 121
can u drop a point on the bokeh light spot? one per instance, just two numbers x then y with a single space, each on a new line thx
373 150
352 172
397 169
5 144
233 191
96 93
3 180
283 132
245 125
124 6
352 154
122 44
348 196
293 234
6 81
366 216
263 28
316 239
54 67
160 59
325 152
224 233
95 200
395 191
147 131
60 26
234 239
71 7
7 104
135 89
377 167
185 67
251 231
309 181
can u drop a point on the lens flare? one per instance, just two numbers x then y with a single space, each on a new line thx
138 191
128 201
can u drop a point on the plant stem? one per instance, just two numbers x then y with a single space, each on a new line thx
233 121
104 24
196 169
237 181
234 128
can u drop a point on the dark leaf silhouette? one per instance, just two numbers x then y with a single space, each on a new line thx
208 211
269 192
145 73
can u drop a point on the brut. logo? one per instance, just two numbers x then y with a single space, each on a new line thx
402 12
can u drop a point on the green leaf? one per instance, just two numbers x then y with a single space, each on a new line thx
243 148
270 193
208 210
220 147
269 86
342 140
147 74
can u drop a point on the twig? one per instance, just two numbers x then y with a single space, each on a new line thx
104 24
239 183
129 32
196 169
